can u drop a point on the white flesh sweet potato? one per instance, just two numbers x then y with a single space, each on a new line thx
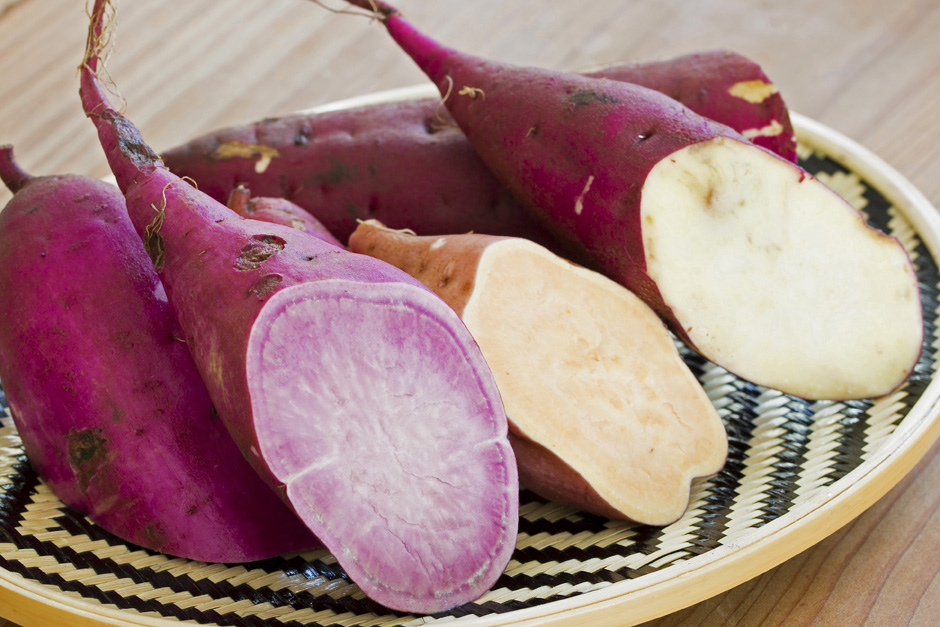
755 263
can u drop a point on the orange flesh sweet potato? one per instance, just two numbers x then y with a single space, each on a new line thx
604 414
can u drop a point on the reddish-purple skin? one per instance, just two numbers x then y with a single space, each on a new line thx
702 82
550 136
408 166
220 270
396 163
105 396
278 211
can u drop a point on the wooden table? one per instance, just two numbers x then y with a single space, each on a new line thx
868 68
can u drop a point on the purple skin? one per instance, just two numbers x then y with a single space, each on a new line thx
357 394
705 81
407 165
278 211
104 393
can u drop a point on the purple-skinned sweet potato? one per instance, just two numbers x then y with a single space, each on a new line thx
751 260
723 86
277 211
353 390
603 413
409 166
104 394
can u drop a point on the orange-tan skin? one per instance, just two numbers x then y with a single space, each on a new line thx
449 270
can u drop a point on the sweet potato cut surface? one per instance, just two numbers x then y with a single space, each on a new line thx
397 470
604 413
796 291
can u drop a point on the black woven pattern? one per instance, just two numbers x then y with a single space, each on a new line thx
744 408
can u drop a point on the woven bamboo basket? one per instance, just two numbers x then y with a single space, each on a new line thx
796 472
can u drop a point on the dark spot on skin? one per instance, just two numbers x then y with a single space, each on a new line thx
192 509
130 143
152 385
88 454
86 446
42 254
353 210
266 286
33 209
373 206
582 97
215 413
443 282
122 340
337 173
156 535
139 432
302 138
258 250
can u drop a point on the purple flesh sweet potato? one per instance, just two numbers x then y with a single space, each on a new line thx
751 260
106 398
409 166
354 391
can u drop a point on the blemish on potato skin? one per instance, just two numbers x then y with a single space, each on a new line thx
583 97
243 150
266 286
302 138
579 201
88 454
754 92
156 535
258 250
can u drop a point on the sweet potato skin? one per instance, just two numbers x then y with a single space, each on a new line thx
723 86
398 163
103 391
278 211
407 165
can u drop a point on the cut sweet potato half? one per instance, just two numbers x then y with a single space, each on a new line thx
604 414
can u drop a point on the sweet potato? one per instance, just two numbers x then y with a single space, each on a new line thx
278 211
409 166
751 260
106 398
353 390
603 413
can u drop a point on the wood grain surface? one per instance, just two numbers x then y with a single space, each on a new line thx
870 69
